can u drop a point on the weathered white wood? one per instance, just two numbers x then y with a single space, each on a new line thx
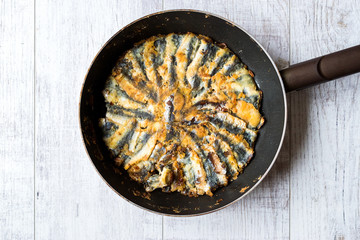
16 119
264 213
72 201
314 196
324 127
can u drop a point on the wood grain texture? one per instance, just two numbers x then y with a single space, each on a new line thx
325 153
16 119
264 213
312 191
72 201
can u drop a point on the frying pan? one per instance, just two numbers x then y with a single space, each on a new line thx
273 83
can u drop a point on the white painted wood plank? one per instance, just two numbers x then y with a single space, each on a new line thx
264 213
16 119
72 201
325 131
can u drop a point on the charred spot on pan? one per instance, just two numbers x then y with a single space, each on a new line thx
218 201
182 115
251 73
231 24
222 45
257 179
176 210
242 190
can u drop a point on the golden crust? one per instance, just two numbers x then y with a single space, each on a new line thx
182 114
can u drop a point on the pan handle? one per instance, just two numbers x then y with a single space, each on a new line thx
322 69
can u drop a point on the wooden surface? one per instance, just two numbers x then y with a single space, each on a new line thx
16 119
49 189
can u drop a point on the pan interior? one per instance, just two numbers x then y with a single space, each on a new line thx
92 107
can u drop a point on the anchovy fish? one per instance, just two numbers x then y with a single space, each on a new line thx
182 114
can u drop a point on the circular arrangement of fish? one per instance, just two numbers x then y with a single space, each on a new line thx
182 114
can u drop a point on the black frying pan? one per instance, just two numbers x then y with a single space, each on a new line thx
267 77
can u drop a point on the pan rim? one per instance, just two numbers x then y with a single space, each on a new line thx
284 100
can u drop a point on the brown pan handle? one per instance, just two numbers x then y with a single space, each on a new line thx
322 69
